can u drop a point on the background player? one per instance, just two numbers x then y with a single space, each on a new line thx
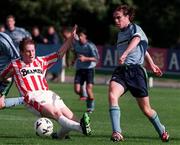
87 58
16 33
70 58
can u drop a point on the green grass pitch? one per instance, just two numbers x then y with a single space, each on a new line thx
16 124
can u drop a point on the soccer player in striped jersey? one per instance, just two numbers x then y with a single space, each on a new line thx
29 75
8 52
132 47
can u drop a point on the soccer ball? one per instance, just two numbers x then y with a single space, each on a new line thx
43 127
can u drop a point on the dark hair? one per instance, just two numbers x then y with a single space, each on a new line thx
127 10
82 30
25 42
66 29
10 16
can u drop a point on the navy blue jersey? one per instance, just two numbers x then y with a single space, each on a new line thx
88 50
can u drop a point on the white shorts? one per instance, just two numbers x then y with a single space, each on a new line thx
36 99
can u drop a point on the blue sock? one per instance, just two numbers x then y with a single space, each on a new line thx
90 104
115 115
157 124
10 102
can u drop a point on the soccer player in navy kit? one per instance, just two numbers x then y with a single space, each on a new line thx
132 45
87 58
8 52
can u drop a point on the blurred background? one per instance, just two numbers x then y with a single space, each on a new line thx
159 19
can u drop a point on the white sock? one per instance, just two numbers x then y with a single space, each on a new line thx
69 124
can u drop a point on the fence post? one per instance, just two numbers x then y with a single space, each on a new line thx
151 84
62 74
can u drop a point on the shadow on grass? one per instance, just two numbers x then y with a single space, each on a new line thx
151 138
128 138
14 137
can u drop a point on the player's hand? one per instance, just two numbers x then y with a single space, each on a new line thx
82 58
73 32
157 71
122 59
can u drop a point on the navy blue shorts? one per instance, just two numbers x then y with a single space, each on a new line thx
84 75
132 78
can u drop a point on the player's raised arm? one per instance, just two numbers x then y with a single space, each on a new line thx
67 44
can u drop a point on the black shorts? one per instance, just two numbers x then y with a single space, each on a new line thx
132 78
84 75
5 86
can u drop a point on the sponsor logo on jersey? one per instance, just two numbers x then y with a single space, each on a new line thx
27 71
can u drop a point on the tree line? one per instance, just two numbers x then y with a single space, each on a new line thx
159 19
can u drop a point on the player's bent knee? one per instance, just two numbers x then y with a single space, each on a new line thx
113 98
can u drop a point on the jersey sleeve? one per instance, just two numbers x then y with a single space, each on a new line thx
9 47
50 60
94 51
25 32
140 33
13 52
137 31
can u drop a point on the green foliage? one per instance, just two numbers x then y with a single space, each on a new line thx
160 19
157 18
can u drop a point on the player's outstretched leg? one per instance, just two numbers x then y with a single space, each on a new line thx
10 102
159 128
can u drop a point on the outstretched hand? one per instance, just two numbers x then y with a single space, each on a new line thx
157 71
73 32
68 43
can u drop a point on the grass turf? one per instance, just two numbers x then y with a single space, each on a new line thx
16 124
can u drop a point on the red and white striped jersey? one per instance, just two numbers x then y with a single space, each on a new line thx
30 77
